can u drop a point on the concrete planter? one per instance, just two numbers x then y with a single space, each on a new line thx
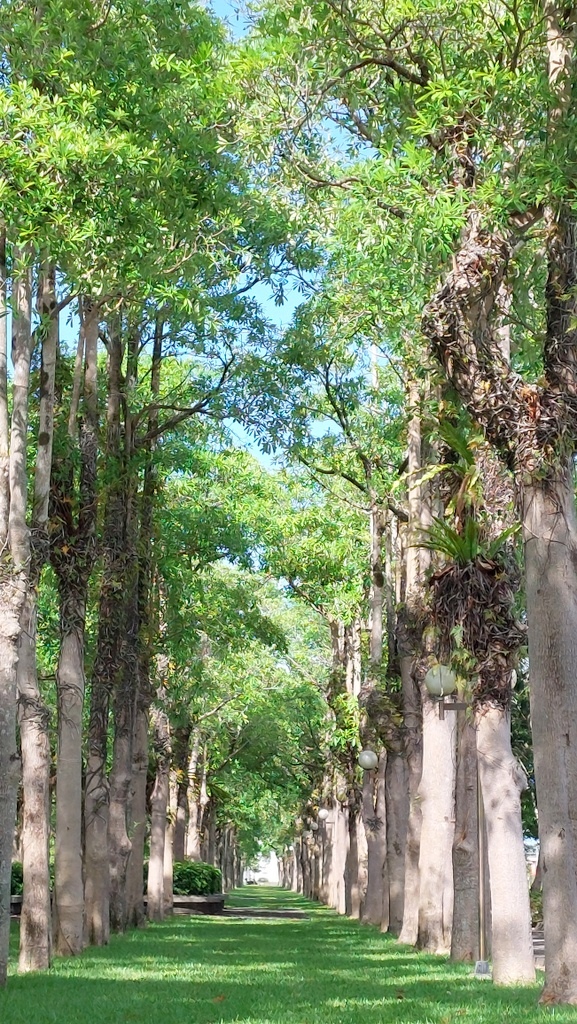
15 906
213 904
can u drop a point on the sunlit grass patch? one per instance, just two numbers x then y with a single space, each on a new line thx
321 970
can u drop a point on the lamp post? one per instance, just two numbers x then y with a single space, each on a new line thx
441 682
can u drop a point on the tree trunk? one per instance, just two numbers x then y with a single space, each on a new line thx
298 867
550 533
14 581
158 809
502 782
210 830
414 754
10 609
146 627
168 865
105 670
68 883
465 936
126 692
375 825
437 797
180 760
9 763
135 873
195 774
72 556
355 874
397 817
408 644
119 844
34 717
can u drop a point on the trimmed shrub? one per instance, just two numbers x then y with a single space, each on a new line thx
193 878
536 898
17 883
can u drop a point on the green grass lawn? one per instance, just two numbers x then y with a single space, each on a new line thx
323 970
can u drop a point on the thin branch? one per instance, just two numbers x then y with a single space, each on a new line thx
185 413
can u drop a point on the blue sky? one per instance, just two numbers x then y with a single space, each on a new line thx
229 12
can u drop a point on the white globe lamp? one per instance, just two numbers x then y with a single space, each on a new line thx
440 680
368 760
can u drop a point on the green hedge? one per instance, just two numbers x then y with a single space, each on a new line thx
17 882
192 878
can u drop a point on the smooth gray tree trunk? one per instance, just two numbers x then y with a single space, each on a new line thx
550 534
397 813
465 935
437 798
138 827
158 811
502 782
375 824
34 717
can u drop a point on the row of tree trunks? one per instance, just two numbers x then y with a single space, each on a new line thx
419 873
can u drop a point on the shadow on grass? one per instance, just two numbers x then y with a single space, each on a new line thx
200 970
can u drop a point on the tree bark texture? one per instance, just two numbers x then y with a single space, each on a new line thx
414 755
465 935
195 774
124 712
397 818
146 628
180 759
502 782
437 797
9 762
375 825
72 556
105 669
355 869
168 861
550 532
339 857
532 427
135 873
409 648
4 412
34 718
14 586
158 809
68 903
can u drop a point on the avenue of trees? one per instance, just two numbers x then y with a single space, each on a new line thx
195 643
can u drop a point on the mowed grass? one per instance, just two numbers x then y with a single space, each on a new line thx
322 970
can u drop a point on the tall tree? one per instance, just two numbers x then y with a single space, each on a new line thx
15 540
35 918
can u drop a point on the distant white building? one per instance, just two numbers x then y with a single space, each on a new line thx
266 871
